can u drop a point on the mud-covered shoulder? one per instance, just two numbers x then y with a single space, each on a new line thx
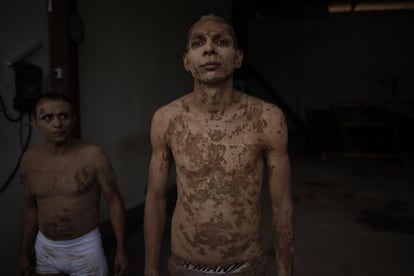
163 116
90 147
276 130
272 112
30 156
25 162
268 109
175 107
93 158
272 120
92 151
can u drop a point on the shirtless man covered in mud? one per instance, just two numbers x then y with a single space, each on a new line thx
222 141
63 180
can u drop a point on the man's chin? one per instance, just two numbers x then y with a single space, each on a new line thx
214 80
58 140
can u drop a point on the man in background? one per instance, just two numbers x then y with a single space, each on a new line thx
63 180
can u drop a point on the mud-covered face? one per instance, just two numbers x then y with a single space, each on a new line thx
211 56
55 120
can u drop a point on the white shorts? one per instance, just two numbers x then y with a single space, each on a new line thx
83 256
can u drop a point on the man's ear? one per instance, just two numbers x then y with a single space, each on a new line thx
238 59
74 120
186 62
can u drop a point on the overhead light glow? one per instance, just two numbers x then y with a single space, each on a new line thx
371 6
336 8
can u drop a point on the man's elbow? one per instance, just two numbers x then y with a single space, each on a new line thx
115 200
155 195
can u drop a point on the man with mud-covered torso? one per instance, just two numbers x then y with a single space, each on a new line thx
221 141
64 179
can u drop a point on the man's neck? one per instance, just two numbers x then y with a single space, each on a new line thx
58 149
215 99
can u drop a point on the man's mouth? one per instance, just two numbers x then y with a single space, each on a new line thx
58 134
209 66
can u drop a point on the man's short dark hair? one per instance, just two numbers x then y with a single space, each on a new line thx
53 97
212 17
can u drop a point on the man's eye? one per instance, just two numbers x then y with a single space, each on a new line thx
196 43
63 116
221 42
47 118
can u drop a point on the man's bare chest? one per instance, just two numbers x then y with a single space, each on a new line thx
61 179
229 147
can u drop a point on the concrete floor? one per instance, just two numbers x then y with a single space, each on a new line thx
354 217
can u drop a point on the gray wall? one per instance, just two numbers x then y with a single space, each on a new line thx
130 64
22 24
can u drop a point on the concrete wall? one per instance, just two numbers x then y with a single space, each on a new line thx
23 23
130 64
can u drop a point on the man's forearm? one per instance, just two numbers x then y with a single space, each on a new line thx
29 231
154 222
284 241
117 215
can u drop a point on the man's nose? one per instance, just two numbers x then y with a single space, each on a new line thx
209 47
56 122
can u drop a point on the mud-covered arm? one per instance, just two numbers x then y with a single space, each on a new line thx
107 180
30 226
155 201
278 166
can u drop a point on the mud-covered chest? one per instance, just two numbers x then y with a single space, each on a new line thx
60 180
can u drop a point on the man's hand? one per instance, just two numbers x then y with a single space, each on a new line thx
121 263
149 272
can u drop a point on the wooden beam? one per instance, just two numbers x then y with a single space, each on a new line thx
64 53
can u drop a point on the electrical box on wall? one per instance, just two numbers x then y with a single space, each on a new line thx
28 78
